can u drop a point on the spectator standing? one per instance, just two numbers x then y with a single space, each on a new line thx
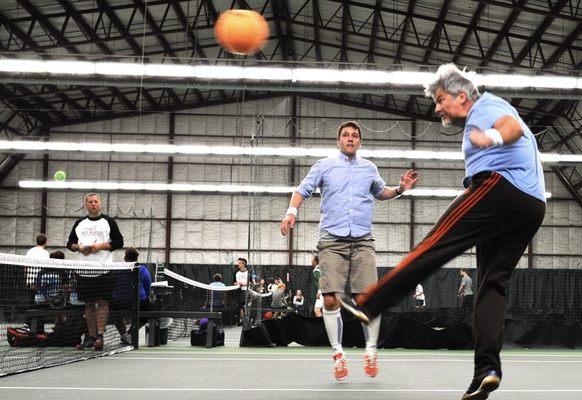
95 237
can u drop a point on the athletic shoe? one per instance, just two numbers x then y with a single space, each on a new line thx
126 338
99 342
482 386
350 305
340 367
87 344
371 364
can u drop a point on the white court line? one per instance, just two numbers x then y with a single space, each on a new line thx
126 389
355 352
411 360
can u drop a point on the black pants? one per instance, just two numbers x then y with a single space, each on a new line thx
500 220
468 302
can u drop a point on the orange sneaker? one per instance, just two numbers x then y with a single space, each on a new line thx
371 365
340 367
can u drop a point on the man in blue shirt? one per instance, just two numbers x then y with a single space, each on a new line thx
499 212
123 295
348 186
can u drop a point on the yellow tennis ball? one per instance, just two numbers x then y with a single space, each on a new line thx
60 176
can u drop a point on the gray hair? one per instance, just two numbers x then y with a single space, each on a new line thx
454 81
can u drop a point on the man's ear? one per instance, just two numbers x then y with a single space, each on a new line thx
462 96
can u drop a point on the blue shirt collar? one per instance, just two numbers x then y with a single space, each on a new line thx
343 157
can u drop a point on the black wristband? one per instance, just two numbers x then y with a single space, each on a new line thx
397 192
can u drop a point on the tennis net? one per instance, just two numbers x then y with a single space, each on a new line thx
184 294
45 304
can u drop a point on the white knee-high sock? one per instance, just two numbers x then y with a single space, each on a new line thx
371 332
334 327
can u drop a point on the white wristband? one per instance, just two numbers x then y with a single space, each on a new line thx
292 211
494 135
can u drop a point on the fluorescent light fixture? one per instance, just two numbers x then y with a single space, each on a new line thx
442 192
169 70
317 75
70 67
412 155
409 78
254 73
554 82
268 74
291 152
363 76
154 187
31 66
206 188
510 81
218 72
561 158
119 69
425 192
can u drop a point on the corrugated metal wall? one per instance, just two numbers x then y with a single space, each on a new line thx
215 229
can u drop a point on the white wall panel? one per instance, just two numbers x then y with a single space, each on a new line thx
396 210
392 238
20 203
219 223
27 169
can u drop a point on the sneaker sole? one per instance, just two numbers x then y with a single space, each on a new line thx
371 375
355 312
488 385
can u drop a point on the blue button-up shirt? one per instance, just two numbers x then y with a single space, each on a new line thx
348 188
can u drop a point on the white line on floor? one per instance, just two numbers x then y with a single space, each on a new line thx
381 359
380 353
126 389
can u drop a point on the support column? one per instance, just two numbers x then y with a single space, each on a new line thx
292 166
44 196
412 200
170 178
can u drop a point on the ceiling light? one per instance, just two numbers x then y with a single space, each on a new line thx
206 188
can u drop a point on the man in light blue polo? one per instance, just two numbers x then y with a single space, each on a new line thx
348 184
499 212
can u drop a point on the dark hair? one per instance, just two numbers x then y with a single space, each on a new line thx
41 239
217 278
243 260
57 254
352 124
463 270
131 254
316 258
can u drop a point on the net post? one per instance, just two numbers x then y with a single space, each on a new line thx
135 315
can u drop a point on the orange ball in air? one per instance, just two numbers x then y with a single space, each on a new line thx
241 31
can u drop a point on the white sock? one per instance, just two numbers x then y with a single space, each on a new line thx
334 326
371 332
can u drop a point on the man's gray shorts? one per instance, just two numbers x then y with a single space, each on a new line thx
343 260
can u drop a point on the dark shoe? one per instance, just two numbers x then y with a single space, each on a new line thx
126 338
481 387
349 305
87 344
99 342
